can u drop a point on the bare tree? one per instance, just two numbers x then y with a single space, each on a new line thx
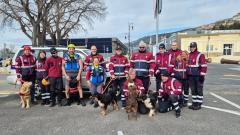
72 15
27 13
37 18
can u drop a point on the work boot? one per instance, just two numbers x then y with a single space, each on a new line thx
67 103
52 104
178 113
34 102
43 102
91 101
47 102
95 104
193 106
81 101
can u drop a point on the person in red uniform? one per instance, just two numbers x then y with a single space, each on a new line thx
174 51
143 63
119 71
180 73
54 68
170 89
163 64
25 70
89 59
142 109
41 74
197 69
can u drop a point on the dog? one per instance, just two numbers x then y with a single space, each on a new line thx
150 101
132 104
24 94
105 99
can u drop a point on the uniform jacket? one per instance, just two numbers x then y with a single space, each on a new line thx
119 65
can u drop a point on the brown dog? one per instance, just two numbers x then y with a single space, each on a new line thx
24 94
132 104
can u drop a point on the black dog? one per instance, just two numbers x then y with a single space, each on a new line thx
150 101
109 97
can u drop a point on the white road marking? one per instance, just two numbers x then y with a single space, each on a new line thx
229 78
220 109
120 133
225 100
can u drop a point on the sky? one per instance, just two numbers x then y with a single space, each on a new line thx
176 15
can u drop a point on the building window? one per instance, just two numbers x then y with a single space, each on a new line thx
227 49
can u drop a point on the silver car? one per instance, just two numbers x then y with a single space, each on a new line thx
82 52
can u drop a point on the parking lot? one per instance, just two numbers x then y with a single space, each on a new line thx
220 114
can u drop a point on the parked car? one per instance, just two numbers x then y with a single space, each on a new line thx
35 50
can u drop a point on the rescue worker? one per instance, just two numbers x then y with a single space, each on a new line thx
143 63
72 68
119 71
197 69
54 68
174 51
41 74
95 77
163 64
25 70
180 73
170 89
142 109
89 59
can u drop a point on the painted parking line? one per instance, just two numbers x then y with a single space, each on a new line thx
222 110
225 100
229 79
231 75
8 92
219 109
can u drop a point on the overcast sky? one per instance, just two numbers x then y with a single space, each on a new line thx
176 14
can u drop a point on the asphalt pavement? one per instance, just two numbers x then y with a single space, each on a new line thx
220 114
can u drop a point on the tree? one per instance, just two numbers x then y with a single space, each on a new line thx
72 15
28 14
58 18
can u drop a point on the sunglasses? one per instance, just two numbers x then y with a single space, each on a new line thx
141 47
192 47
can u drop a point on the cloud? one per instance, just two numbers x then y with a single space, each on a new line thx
176 14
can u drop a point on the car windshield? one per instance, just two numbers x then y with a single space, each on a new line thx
88 52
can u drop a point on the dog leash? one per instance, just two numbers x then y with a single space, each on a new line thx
107 86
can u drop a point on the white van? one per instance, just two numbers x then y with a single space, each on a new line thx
11 79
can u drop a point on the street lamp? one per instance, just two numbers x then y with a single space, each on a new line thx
130 28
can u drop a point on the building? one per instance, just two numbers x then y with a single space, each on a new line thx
214 44
105 46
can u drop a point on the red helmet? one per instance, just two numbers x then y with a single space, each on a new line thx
27 47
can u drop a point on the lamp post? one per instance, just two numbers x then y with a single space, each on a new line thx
128 36
208 45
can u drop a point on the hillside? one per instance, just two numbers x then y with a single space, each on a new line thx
226 24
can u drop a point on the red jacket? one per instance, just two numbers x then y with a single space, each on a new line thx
197 64
163 63
171 86
40 69
54 66
139 85
143 63
119 65
174 54
180 69
89 60
25 65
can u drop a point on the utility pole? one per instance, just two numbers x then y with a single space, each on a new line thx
157 11
130 28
